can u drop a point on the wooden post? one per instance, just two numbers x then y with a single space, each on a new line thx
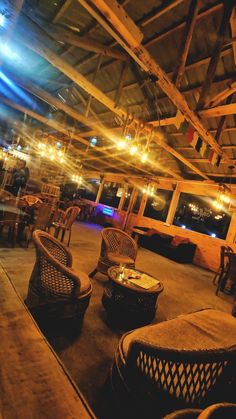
173 205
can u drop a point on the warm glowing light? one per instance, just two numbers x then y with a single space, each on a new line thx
62 160
121 145
52 157
133 150
60 153
42 153
144 157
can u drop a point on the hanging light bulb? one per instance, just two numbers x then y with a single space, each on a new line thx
144 157
133 150
121 144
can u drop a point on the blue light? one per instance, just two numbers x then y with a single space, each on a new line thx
213 234
108 211
2 20
128 137
183 226
58 144
14 88
9 147
8 52
93 141
19 147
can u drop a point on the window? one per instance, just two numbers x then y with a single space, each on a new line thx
128 193
157 207
89 189
111 194
197 213
137 202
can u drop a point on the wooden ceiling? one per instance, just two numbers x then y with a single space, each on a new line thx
81 68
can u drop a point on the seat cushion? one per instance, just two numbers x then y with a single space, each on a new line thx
85 282
117 258
202 330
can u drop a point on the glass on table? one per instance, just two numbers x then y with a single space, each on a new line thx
122 270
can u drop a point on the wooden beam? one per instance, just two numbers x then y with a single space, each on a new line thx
158 12
68 37
233 32
220 97
99 62
222 122
170 31
222 175
62 10
186 42
123 75
224 147
227 11
143 58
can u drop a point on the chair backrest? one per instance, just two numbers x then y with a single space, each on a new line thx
5 195
32 200
53 261
70 215
43 216
117 241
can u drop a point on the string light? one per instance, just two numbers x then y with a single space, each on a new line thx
149 190
133 150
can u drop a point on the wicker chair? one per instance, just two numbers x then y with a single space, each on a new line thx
117 247
228 275
56 294
31 199
65 222
42 218
224 261
188 362
9 219
215 411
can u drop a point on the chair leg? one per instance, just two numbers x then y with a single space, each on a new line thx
63 235
93 273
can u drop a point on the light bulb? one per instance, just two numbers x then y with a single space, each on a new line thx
42 153
62 160
121 144
144 157
133 150
52 157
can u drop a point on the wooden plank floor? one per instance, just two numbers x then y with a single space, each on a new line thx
33 382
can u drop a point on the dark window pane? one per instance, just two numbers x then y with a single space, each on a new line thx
89 189
197 213
137 202
126 202
111 194
157 206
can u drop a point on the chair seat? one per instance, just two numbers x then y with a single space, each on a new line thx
201 332
117 258
85 282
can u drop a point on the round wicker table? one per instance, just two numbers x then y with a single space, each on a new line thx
129 305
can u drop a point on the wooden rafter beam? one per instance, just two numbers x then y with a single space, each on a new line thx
170 31
101 129
220 97
62 10
224 147
227 12
186 42
144 59
99 62
67 36
79 79
158 12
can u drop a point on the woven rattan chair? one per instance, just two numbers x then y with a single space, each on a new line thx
188 362
117 248
65 223
215 411
224 261
229 275
56 293
31 199
42 218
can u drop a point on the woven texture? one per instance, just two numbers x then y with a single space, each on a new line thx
185 362
53 284
120 246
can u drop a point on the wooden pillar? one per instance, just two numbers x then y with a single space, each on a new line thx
173 205
231 235
99 191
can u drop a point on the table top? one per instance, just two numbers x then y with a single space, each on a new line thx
141 232
115 276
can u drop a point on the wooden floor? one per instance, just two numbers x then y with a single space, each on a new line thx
88 358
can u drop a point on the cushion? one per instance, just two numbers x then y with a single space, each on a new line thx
179 240
117 258
202 330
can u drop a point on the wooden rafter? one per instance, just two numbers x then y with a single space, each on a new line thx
158 12
170 31
227 11
215 100
222 122
144 59
68 37
186 42
62 10
99 62
79 79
